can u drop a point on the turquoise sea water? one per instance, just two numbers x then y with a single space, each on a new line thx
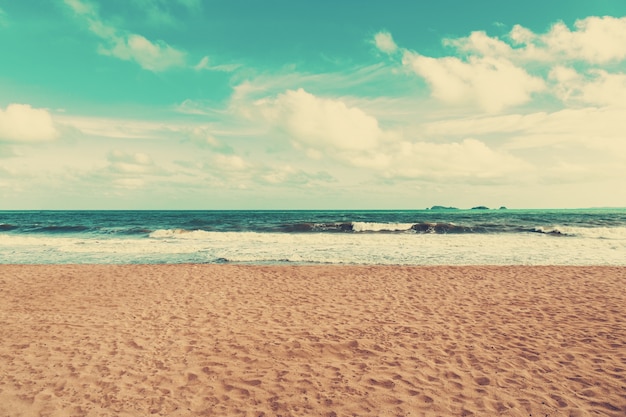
416 237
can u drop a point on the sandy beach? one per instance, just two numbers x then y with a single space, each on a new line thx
228 340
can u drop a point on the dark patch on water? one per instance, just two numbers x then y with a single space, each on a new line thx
60 229
136 231
142 223
221 261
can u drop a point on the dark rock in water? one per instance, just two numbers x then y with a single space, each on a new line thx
221 261
480 208
502 208
443 208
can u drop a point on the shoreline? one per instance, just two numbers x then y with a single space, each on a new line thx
292 340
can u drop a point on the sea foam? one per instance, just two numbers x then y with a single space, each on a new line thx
380 227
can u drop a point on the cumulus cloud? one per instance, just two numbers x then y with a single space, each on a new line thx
153 56
467 160
497 73
321 123
594 40
385 43
479 43
328 127
493 84
23 123
596 87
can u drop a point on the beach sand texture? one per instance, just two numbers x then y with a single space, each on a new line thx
229 340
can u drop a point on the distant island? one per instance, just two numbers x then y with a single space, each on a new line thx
456 208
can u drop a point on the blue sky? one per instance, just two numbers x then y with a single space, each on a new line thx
192 104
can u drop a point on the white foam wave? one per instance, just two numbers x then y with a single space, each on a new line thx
172 246
380 227
616 233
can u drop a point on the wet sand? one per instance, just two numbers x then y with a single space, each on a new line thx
191 340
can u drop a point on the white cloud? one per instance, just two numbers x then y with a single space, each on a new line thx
562 146
203 137
230 162
236 172
481 44
599 128
22 123
493 84
153 56
196 107
290 176
588 127
328 127
346 83
499 73
597 87
595 40
201 134
129 183
384 42
117 128
136 163
321 123
469 160
205 64
483 125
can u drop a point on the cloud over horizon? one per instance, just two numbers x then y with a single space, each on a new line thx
499 73
23 123
225 106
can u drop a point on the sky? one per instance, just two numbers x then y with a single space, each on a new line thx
294 104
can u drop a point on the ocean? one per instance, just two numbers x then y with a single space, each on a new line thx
402 237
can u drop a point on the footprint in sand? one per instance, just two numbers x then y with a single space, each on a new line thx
483 380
